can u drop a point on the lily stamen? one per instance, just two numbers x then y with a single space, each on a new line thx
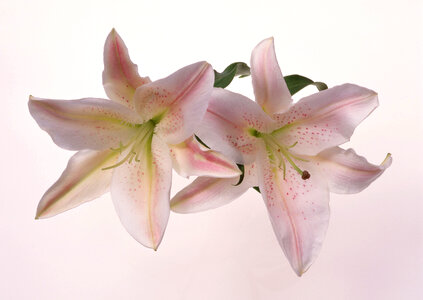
146 130
288 156
293 145
306 175
119 163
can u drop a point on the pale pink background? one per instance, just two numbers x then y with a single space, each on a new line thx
373 248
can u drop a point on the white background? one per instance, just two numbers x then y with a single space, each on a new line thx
373 248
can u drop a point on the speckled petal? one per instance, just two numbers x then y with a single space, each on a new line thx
120 75
206 193
347 172
227 124
177 102
269 85
298 210
83 180
190 158
89 123
325 119
141 192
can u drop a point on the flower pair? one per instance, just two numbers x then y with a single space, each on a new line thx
131 143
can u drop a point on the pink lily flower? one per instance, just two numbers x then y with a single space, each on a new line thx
289 150
130 143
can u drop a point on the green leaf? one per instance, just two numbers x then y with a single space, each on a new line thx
241 177
297 82
200 141
223 79
257 189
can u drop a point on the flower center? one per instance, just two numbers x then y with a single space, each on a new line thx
140 141
280 155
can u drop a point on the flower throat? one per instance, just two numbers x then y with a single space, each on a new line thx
278 154
141 141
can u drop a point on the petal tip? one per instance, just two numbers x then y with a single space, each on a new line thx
39 215
113 32
269 41
34 100
300 271
156 245
205 64
386 163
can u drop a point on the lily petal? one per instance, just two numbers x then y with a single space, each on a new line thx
190 158
141 192
228 124
89 123
269 85
177 102
83 180
206 193
325 119
120 75
298 210
347 172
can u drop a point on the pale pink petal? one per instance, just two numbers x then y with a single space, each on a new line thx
89 123
269 85
190 158
83 180
325 119
120 75
207 193
229 124
298 210
178 102
141 191
347 172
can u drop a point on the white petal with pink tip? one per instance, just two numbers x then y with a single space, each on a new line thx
120 75
177 102
89 123
190 158
206 193
269 85
83 180
325 119
298 210
140 193
348 173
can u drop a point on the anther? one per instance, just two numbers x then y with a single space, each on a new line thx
305 175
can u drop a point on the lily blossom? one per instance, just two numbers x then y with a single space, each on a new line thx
289 150
130 143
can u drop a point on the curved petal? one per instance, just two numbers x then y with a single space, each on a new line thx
89 123
325 119
141 192
120 75
298 210
190 158
177 102
347 172
228 124
269 85
206 193
83 180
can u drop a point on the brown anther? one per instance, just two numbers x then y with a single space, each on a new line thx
306 175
